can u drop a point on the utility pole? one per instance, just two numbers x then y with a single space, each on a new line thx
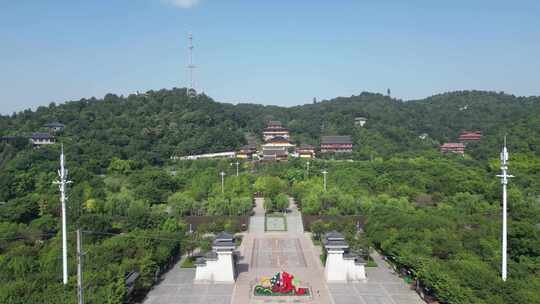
79 267
222 181
504 181
62 182
324 178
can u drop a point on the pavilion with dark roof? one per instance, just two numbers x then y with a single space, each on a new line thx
341 264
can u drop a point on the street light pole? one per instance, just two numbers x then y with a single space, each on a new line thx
237 164
307 165
324 178
504 181
222 181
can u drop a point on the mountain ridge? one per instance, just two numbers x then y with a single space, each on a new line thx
157 124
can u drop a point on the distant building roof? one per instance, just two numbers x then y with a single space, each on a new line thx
452 145
335 240
277 152
9 138
335 139
248 148
274 123
470 136
40 135
223 240
54 125
334 236
306 147
278 139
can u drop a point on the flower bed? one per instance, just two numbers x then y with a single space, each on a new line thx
281 284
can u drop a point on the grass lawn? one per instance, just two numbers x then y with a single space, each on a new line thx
323 258
188 262
371 263
275 225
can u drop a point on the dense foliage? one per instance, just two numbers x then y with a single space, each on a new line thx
131 219
437 216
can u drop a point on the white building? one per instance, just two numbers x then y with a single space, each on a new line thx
217 265
360 121
341 266
206 156
40 139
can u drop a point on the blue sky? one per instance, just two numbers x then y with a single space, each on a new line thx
270 52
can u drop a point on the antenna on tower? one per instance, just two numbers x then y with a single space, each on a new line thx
62 182
191 66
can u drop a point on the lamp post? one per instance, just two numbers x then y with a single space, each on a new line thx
222 181
504 181
307 168
237 163
324 178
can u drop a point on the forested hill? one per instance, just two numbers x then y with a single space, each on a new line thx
155 125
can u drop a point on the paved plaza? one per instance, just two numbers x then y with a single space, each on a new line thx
382 287
177 287
263 253
277 253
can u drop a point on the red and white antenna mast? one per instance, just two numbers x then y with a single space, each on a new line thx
190 65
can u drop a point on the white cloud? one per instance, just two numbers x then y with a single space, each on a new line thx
183 3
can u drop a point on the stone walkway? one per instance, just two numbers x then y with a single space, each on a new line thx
264 254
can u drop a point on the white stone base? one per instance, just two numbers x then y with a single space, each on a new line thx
338 269
218 271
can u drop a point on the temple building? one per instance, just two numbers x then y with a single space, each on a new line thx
54 127
467 136
274 154
305 151
341 265
275 129
247 152
458 148
336 144
218 265
40 139
278 142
